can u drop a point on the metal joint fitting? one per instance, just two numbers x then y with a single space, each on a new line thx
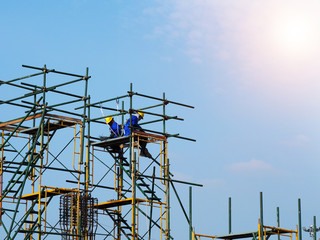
166 102
131 110
165 117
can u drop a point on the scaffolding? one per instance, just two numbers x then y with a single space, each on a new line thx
59 179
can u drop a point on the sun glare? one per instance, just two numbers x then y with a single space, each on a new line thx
296 35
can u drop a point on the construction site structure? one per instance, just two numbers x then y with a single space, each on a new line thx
60 179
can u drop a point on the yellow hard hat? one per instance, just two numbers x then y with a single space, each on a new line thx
141 114
108 119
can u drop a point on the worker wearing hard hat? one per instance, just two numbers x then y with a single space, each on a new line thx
135 118
115 130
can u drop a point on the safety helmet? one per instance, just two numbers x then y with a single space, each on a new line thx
108 119
141 114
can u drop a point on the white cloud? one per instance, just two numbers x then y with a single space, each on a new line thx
253 166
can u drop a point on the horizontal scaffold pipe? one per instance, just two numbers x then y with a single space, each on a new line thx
154 121
169 135
160 99
65 103
161 115
53 87
51 233
58 72
172 180
67 83
98 118
18 105
112 109
154 106
18 86
159 120
104 101
21 78
98 186
22 97
31 85
68 94
30 103
60 110
47 167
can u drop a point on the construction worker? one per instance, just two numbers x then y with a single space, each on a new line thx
135 118
115 129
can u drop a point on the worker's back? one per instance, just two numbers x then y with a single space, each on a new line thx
134 123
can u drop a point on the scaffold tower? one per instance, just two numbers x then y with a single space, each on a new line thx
60 179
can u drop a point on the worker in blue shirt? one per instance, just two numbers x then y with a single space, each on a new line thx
115 129
135 118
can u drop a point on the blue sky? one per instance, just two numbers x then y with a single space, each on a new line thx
250 68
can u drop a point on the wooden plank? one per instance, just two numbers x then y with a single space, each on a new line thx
238 235
51 192
159 137
19 120
39 115
52 126
111 142
64 118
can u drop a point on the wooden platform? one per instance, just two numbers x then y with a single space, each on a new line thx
50 192
239 235
49 127
255 234
111 142
126 139
116 203
60 121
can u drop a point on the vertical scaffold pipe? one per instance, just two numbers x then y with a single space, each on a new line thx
164 112
130 128
299 219
278 220
230 231
133 227
166 160
122 116
88 167
83 126
168 197
190 213
84 118
151 203
261 214
314 228
41 148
